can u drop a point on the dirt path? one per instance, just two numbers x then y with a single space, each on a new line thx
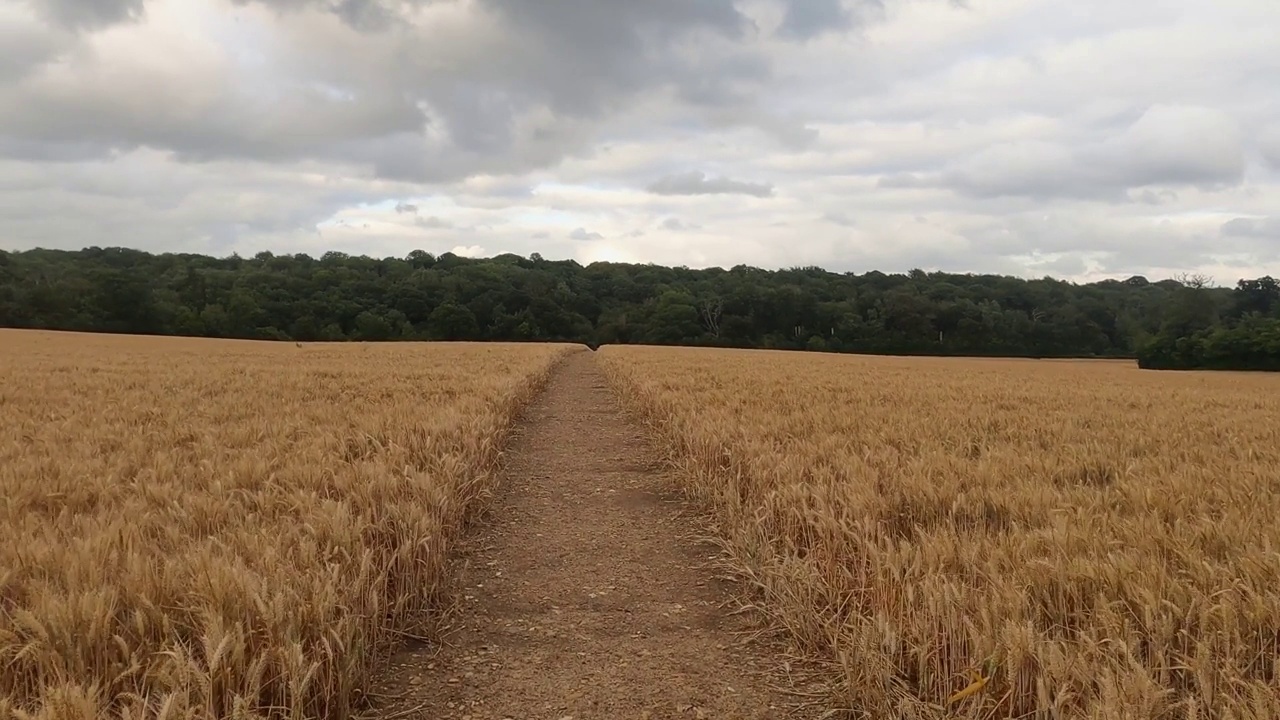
583 596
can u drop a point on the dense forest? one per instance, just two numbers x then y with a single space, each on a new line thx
1244 334
1166 324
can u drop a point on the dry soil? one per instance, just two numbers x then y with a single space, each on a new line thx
584 593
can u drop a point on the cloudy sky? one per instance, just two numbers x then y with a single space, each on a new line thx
1074 138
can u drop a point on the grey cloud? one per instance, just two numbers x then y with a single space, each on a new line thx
1147 196
1068 265
1167 145
574 17
24 46
580 56
1119 247
404 207
1034 169
582 234
479 118
1181 145
615 25
1128 247
908 180
89 14
1267 228
99 203
366 15
587 54
728 80
792 135
362 15
790 132
519 86
697 183
805 19
676 225
65 152
432 223
1269 146
220 121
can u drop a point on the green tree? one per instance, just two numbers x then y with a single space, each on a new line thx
451 321
372 326
1181 322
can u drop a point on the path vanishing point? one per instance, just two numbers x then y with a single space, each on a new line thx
583 593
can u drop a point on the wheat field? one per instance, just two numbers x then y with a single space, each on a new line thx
991 538
228 529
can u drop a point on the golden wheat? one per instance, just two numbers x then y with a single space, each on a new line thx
223 529
993 538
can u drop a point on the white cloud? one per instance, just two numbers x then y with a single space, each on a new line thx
470 251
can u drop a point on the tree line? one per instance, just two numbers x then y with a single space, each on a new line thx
1242 333
1169 323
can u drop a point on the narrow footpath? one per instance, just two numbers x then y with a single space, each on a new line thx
584 594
